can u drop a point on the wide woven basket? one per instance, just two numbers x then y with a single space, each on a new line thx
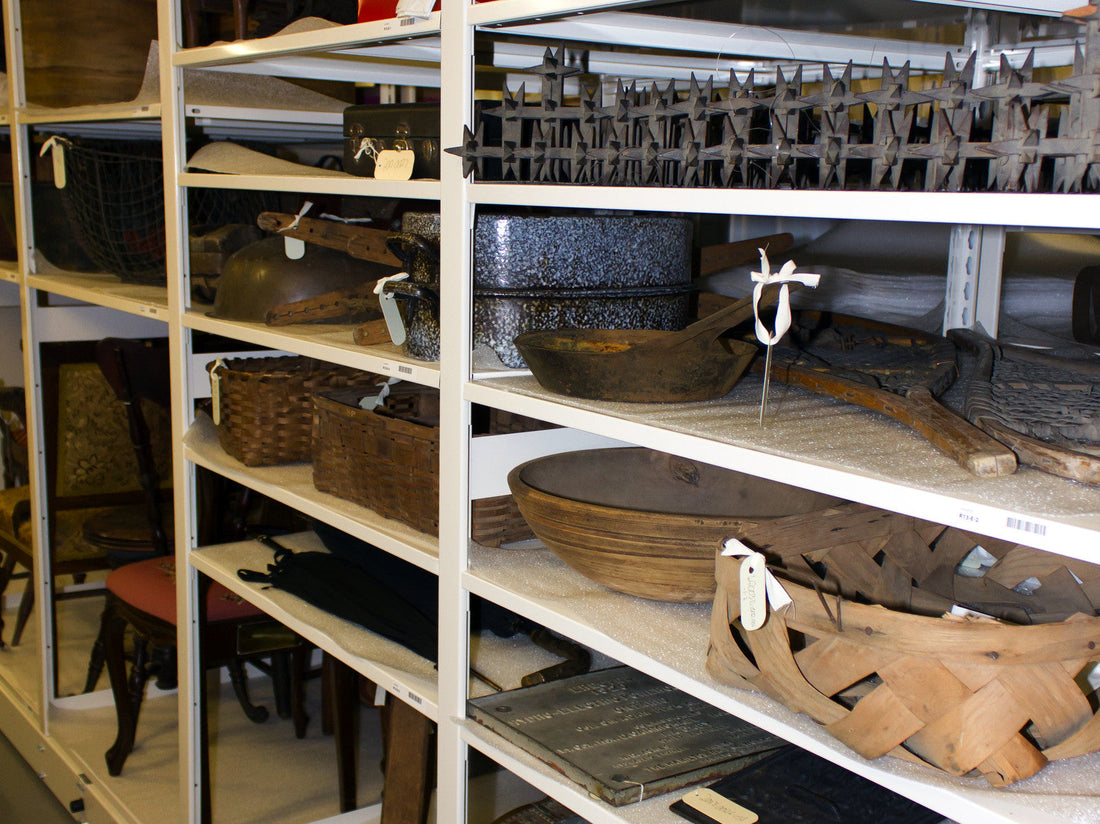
965 695
264 406
388 460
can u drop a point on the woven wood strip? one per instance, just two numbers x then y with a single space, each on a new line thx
878 722
833 665
1015 760
1056 704
498 521
970 732
925 686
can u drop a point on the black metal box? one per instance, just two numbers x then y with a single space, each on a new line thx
372 128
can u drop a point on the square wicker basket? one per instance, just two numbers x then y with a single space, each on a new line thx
263 407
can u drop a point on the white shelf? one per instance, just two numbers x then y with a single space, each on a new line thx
669 642
292 484
324 45
331 342
391 666
105 290
823 444
335 184
511 11
100 112
1053 211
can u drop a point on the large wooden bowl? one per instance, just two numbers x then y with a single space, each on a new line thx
643 522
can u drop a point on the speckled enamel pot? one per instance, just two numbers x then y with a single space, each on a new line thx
533 273
589 251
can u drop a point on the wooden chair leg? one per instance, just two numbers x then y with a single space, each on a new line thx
406 790
239 678
280 683
113 630
5 577
26 604
328 724
344 685
97 657
299 664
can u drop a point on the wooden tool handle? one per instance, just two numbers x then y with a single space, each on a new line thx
969 446
331 305
360 242
721 256
953 435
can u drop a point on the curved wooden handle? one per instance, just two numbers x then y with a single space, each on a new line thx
968 445
971 448
361 242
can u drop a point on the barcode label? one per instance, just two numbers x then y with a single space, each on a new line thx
1027 526
405 370
407 21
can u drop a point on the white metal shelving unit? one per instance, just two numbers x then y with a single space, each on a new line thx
816 444
388 51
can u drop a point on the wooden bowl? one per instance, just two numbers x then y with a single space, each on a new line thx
644 522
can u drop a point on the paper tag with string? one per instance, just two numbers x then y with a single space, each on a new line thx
759 588
394 164
57 146
295 248
395 324
718 808
216 391
785 276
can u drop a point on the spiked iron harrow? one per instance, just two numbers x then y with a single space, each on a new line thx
1013 135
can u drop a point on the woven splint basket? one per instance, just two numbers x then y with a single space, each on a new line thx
387 459
264 406
966 695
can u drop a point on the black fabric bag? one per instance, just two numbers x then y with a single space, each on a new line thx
361 583
348 591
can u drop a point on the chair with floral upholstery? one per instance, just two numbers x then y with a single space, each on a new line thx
91 472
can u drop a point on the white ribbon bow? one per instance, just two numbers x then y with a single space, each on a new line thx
374 401
784 276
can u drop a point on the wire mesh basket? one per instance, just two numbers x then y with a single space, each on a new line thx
114 197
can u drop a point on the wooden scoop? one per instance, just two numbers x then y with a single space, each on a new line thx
644 365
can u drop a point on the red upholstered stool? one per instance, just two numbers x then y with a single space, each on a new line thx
143 595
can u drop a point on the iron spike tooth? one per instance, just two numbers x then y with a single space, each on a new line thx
670 93
967 74
949 72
